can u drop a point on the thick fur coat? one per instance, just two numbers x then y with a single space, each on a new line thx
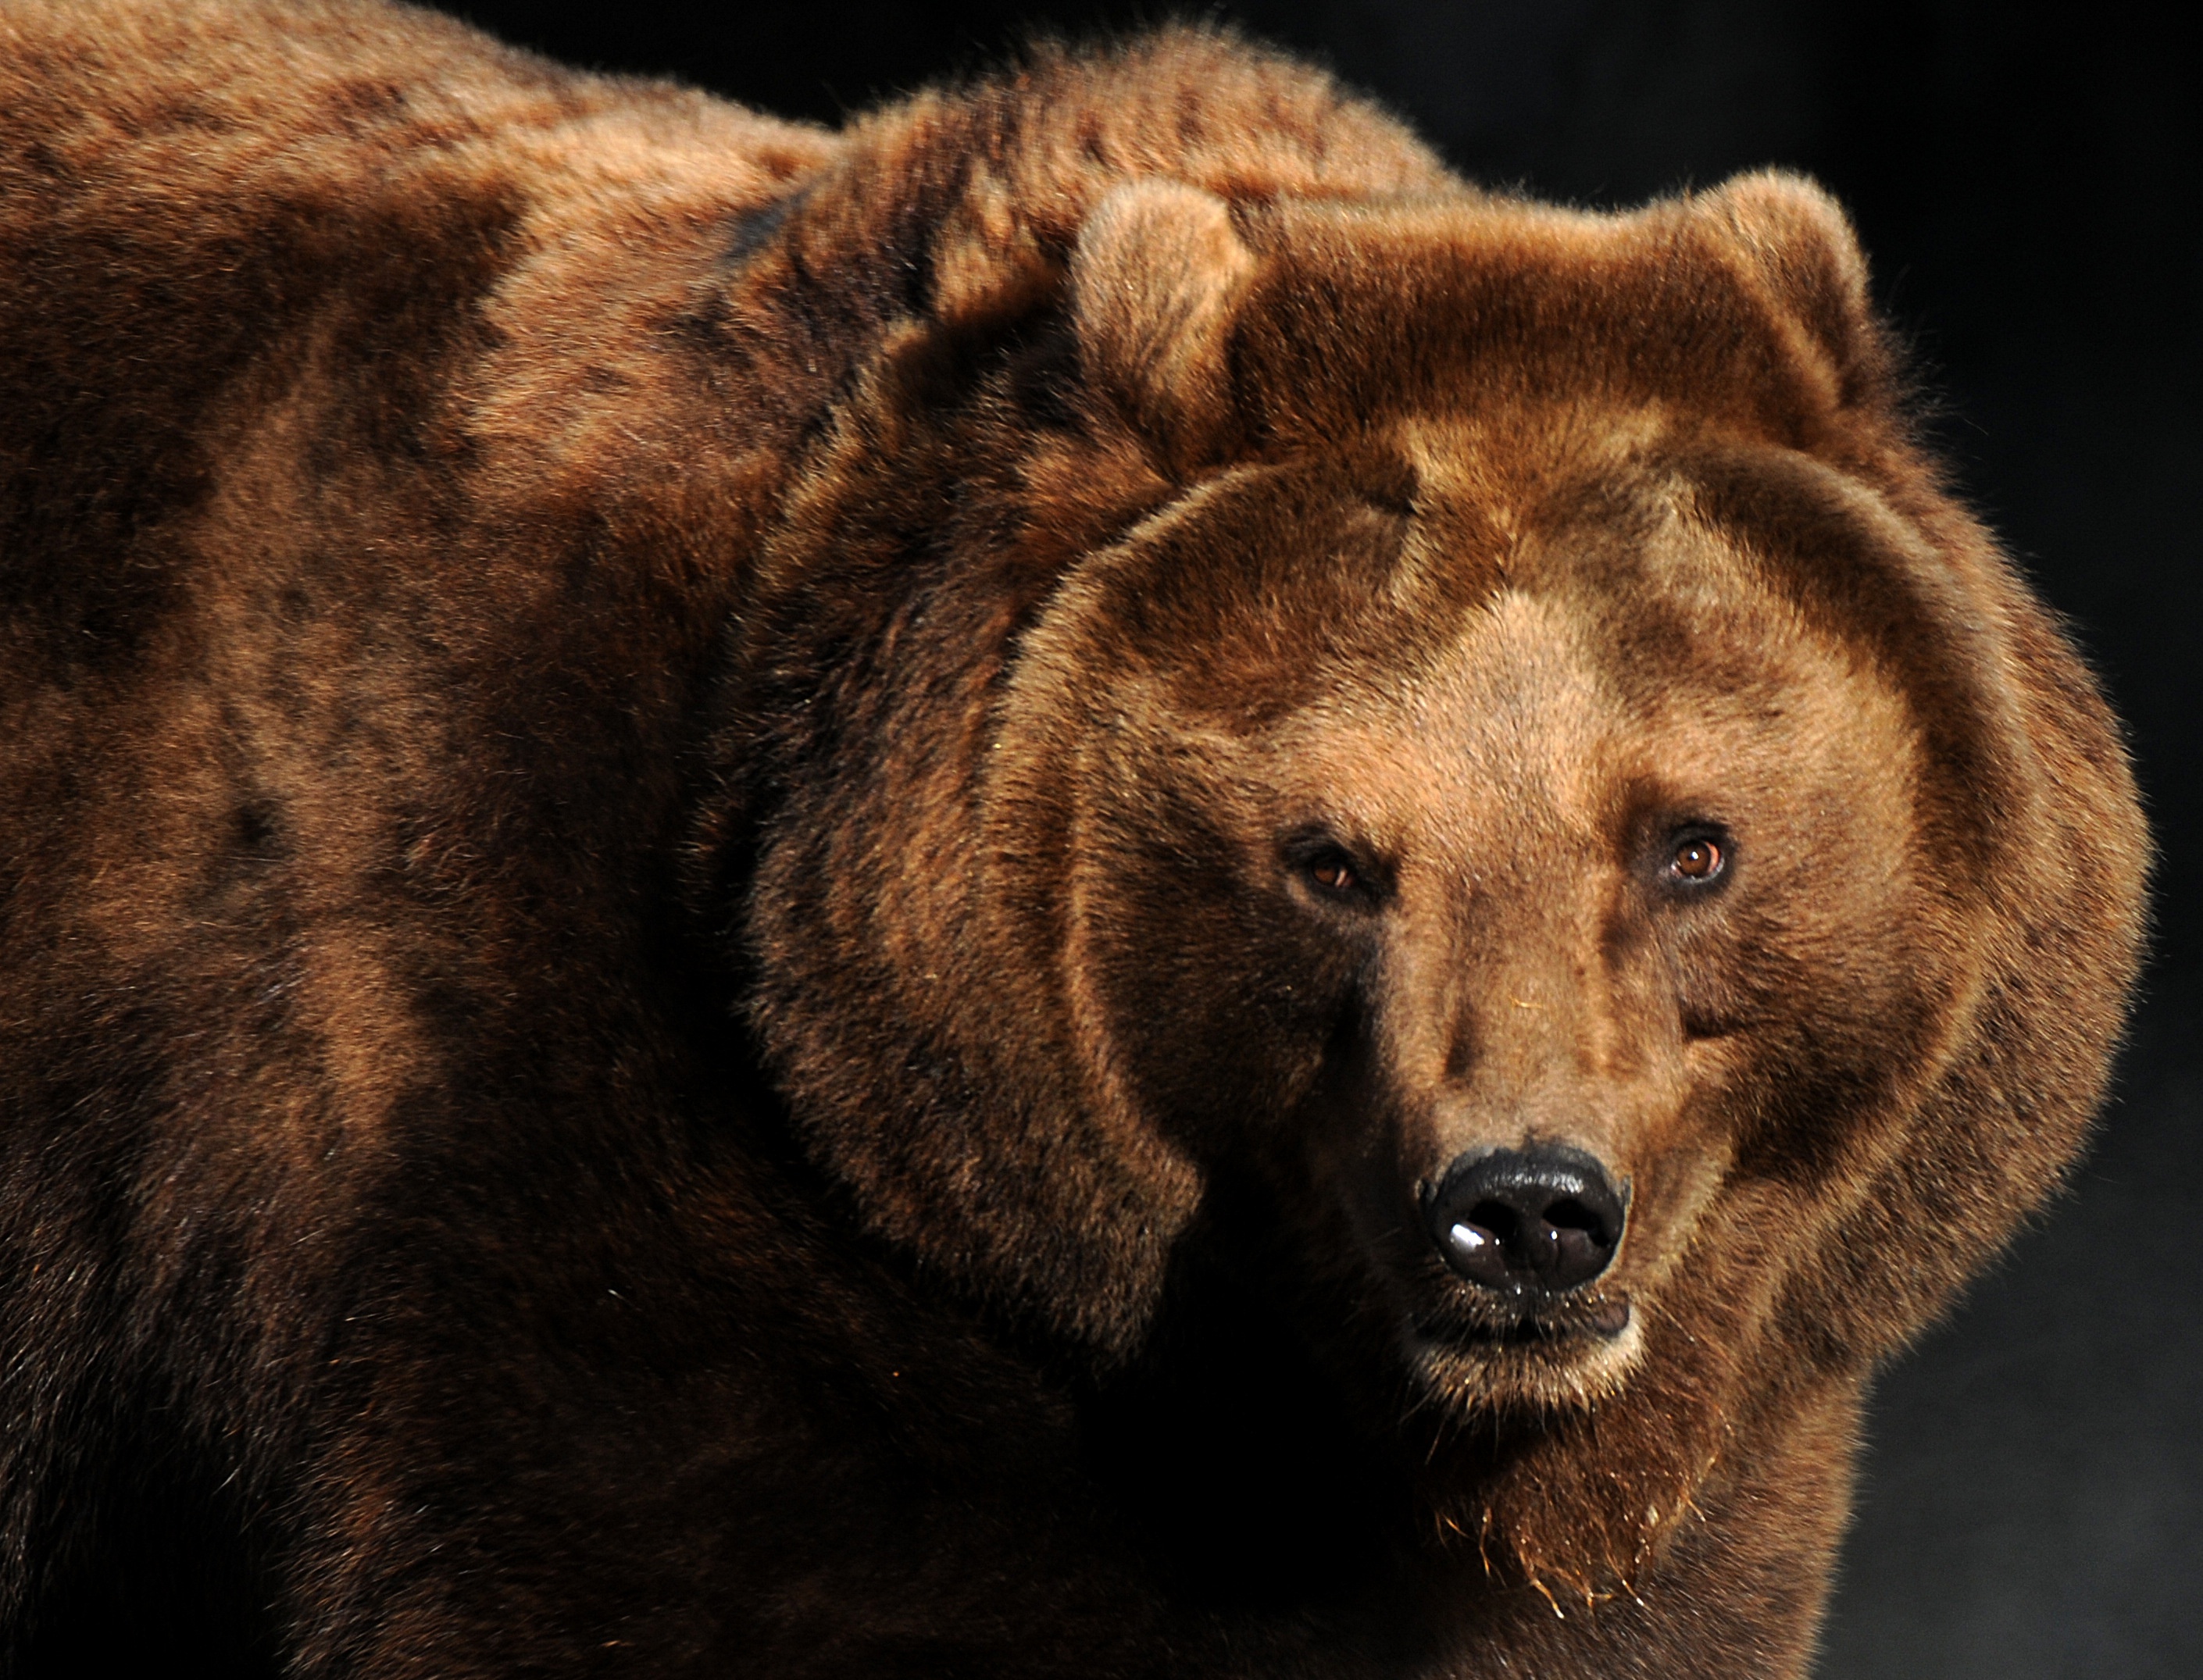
755 880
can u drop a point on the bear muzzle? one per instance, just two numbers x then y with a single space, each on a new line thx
1529 1226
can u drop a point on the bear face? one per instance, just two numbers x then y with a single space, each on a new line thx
1518 822
1566 876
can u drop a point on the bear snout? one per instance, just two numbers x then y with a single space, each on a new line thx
1528 1224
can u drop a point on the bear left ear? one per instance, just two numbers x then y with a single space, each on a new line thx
1157 274
1800 246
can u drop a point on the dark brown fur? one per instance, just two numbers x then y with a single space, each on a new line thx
659 1011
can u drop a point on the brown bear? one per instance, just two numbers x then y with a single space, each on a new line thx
1089 883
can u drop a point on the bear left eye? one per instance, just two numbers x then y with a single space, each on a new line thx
1698 859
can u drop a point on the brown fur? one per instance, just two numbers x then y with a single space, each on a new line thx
659 1011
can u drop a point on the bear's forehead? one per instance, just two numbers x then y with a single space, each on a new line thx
1555 561
1556 632
1538 707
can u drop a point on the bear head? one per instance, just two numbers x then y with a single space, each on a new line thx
1457 747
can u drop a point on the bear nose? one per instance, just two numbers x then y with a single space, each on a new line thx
1528 1222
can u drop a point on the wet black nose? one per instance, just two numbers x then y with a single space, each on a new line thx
1528 1222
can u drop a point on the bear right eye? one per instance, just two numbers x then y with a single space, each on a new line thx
1332 872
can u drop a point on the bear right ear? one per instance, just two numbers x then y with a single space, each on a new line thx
1155 278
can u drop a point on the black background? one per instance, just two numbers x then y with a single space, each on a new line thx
2025 180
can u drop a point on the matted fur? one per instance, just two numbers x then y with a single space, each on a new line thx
660 1011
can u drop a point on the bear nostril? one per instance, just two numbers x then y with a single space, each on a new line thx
1527 1222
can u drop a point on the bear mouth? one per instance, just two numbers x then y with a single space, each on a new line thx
1598 1320
1566 1353
1556 1326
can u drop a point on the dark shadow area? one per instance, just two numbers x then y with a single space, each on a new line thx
2026 180
150 1578
2032 1502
